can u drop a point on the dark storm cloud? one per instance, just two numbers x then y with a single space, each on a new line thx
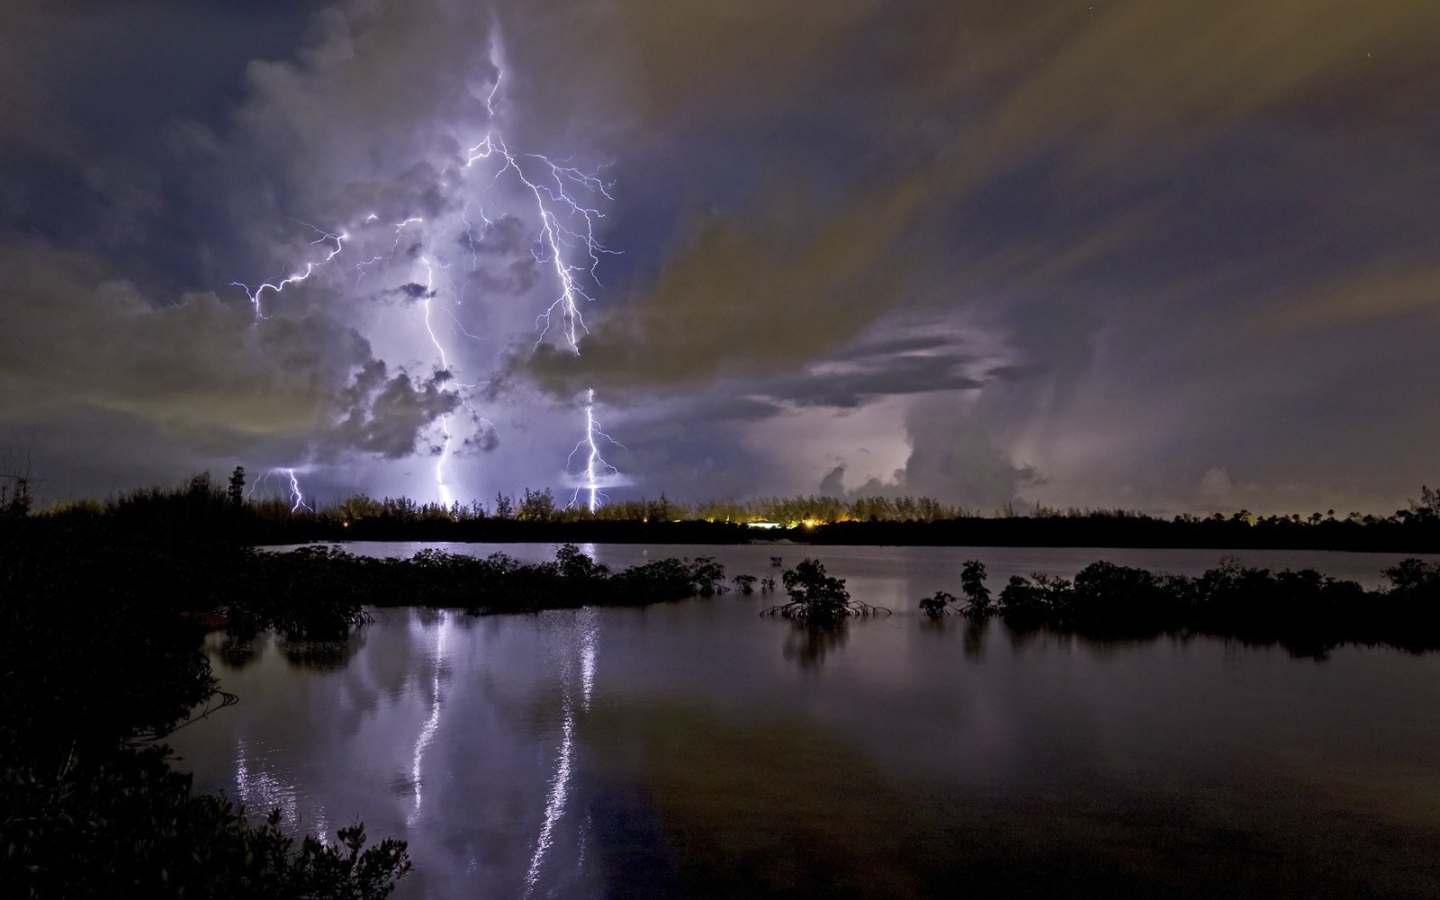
893 367
731 407
91 98
1138 99
484 440
203 373
384 415
1166 247
516 277
1125 191
697 451
413 292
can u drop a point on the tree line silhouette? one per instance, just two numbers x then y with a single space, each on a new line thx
200 505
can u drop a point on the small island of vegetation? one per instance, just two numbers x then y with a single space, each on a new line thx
1306 612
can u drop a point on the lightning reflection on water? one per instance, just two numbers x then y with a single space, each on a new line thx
587 631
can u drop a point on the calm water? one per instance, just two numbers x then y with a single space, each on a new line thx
698 749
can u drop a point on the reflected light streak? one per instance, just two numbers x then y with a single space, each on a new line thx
261 791
588 621
555 802
432 724
587 629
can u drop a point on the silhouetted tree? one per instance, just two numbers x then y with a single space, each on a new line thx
972 585
818 598
236 493
936 605
708 576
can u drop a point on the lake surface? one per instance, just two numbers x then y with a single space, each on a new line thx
699 749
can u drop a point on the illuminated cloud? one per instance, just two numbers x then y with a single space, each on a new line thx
198 370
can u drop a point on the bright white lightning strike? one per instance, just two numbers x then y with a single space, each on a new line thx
310 269
597 470
557 206
296 497
565 200
441 483
555 235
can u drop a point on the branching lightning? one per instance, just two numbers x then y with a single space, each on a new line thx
597 470
555 236
557 204
310 268
297 499
566 201
296 496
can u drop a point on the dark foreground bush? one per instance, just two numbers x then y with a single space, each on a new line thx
123 824
100 659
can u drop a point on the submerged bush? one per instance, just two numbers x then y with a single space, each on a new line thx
936 605
707 576
972 585
818 598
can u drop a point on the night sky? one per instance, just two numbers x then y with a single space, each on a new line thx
1167 256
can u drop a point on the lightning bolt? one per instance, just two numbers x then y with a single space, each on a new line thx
310 268
567 226
297 499
442 485
297 496
597 470
566 201
552 198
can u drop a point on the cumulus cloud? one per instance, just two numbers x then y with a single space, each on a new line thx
953 457
200 371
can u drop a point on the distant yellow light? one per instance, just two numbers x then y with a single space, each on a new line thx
811 523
